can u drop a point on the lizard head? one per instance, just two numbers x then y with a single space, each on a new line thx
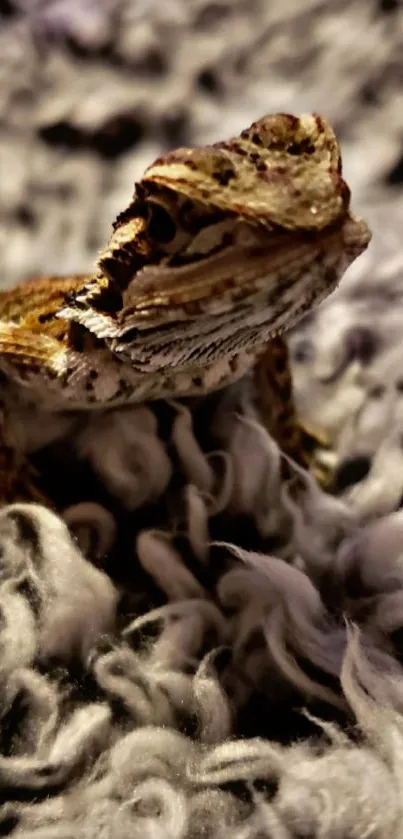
282 172
224 246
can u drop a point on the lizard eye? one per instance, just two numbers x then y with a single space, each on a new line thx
161 225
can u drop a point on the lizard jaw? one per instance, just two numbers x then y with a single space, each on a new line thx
232 302
278 270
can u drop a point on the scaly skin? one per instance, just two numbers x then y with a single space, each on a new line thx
221 250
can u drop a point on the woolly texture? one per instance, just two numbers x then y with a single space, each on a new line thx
191 649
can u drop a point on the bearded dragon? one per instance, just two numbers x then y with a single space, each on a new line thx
221 249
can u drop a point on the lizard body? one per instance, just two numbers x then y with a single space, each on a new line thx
222 249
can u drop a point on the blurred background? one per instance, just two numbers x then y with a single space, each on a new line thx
92 90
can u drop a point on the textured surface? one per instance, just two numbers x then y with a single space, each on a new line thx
166 697
156 690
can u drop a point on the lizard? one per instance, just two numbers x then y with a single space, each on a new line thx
222 249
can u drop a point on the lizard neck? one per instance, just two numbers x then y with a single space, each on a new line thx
107 383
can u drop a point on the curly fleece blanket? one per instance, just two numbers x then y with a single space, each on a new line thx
188 651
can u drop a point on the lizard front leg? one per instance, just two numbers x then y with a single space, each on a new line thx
275 403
